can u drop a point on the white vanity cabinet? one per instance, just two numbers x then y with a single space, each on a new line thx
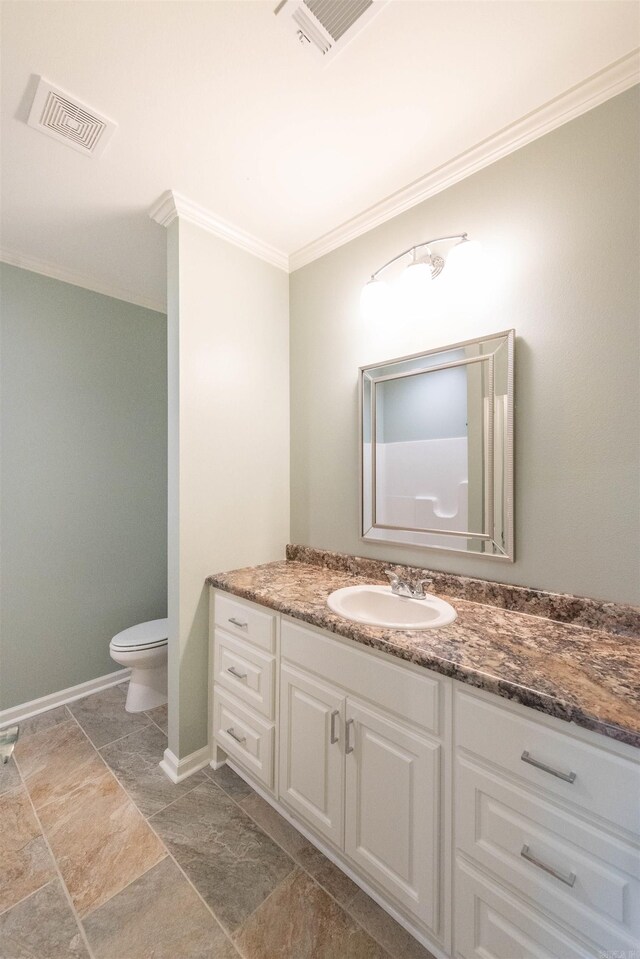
243 688
361 761
547 829
311 752
488 829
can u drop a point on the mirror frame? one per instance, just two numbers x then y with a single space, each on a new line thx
368 525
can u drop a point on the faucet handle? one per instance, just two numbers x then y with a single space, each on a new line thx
394 579
418 591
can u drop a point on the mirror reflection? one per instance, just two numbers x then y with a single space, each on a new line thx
437 464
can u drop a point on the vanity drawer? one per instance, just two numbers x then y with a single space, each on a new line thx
405 692
245 737
253 623
603 783
492 924
596 886
244 671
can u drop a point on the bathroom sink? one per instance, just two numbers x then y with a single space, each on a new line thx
379 606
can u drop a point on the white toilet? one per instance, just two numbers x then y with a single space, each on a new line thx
144 649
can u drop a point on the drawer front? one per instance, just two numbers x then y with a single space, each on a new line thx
247 738
244 619
603 783
245 672
403 692
594 885
491 924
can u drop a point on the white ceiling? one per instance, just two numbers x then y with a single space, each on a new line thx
215 100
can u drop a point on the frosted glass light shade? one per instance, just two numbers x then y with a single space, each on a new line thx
375 300
465 255
414 287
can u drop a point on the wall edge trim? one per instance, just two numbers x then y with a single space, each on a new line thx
171 205
17 714
83 280
590 93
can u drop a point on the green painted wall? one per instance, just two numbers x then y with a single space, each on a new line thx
559 224
83 494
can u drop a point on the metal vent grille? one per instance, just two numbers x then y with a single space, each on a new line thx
327 25
336 16
310 30
57 114
70 120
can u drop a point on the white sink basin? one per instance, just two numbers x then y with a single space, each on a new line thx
378 606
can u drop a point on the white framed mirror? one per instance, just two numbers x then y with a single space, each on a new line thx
436 440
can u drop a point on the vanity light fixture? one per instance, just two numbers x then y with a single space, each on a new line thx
416 279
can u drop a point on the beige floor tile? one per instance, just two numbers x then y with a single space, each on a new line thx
274 824
160 716
25 862
305 853
232 784
42 927
333 879
135 762
232 863
9 776
44 721
385 930
301 921
159 915
100 840
53 760
104 718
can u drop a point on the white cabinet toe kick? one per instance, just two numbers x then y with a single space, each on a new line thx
488 830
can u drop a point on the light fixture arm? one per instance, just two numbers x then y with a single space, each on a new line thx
417 246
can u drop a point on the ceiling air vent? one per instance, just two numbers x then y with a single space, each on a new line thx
61 116
327 25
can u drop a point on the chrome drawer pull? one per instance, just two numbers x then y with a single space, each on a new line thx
234 672
334 715
238 622
568 777
568 880
348 747
238 739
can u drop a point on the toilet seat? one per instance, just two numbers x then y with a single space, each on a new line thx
143 636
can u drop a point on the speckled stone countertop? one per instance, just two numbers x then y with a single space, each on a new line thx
586 675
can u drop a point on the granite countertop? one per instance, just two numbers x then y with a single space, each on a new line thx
589 676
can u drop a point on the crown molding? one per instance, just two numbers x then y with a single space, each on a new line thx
614 79
172 205
85 281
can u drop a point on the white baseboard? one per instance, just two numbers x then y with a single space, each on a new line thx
17 714
180 769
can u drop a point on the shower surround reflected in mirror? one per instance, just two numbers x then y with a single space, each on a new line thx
437 448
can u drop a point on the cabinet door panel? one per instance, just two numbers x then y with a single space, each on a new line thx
392 810
311 765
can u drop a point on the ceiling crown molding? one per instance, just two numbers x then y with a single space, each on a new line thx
171 205
614 79
83 280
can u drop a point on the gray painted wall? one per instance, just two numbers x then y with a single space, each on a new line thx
83 480
559 224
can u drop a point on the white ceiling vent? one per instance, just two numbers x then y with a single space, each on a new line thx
61 116
327 25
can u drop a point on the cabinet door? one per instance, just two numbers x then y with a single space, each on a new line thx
392 812
311 756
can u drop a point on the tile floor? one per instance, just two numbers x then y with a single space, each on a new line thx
102 857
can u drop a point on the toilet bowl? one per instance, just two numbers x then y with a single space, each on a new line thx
143 648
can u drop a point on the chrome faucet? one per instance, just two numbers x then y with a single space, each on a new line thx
400 587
